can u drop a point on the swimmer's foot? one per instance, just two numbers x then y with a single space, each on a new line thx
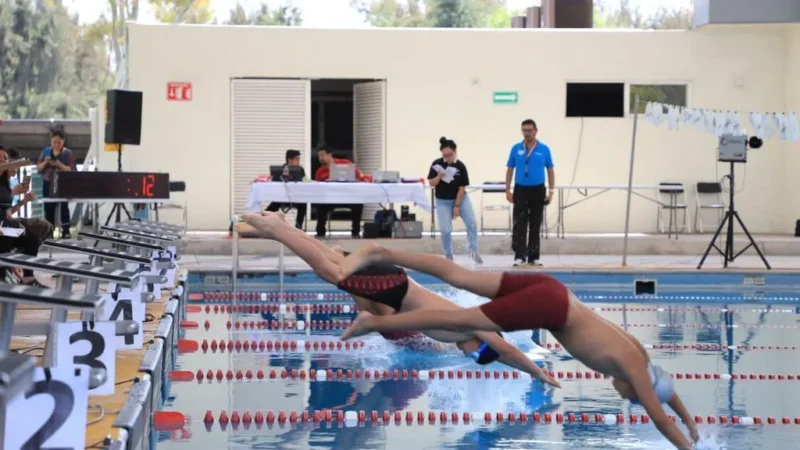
277 215
361 326
265 224
364 256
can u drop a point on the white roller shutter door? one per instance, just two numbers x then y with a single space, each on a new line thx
268 117
369 131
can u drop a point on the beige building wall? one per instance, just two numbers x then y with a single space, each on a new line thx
440 82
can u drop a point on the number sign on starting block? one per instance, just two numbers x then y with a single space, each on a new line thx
125 306
52 414
91 345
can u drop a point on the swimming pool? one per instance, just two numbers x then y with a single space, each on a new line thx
730 342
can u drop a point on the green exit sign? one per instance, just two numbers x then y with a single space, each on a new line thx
505 98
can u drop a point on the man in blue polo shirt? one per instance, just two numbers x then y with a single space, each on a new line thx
529 159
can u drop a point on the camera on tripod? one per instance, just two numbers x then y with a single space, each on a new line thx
733 148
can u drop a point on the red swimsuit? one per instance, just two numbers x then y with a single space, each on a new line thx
529 301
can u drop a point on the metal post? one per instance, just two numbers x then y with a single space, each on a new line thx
630 182
57 315
7 311
235 256
280 269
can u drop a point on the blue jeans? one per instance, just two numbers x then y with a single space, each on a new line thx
444 213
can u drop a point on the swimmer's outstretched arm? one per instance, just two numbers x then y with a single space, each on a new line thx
513 357
680 409
642 385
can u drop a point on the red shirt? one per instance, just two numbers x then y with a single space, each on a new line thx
323 173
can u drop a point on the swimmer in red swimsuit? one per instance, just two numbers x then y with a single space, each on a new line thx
384 289
528 301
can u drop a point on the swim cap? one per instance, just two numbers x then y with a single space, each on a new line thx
484 354
662 384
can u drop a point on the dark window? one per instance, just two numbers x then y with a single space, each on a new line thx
595 99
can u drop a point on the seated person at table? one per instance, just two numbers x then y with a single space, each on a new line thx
326 158
384 289
35 230
292 160
529 301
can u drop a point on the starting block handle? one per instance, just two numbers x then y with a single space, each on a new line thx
16 376
121 241
77 247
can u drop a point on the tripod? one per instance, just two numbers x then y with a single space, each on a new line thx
730 214
118 207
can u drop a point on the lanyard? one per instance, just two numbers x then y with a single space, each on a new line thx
527 156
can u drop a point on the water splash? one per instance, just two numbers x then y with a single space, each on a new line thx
710 443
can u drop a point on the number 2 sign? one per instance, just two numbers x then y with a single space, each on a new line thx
52 415
90 345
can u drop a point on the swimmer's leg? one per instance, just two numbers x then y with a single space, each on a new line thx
485 284
322 261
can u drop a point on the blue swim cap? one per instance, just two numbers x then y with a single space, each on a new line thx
484 354
662 384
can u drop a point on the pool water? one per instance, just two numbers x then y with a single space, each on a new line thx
709 338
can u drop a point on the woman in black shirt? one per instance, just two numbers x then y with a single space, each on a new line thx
449 178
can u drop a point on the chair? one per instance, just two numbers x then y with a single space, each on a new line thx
495 187
708 195
672 198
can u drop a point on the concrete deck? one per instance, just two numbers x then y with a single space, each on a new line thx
210 243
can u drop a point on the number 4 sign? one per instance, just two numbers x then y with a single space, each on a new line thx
88 344
128 306
52 414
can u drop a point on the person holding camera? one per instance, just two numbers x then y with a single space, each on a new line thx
54 159
449 178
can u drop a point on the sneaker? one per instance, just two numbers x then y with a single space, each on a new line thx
519 262
534 262
66 235
476 257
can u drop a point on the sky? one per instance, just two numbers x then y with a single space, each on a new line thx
318 13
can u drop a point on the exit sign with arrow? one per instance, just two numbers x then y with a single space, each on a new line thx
505 98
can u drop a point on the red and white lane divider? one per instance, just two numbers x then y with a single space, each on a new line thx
276 308
275 324
413 374
277 345
342 324
783 310
257 297
164 420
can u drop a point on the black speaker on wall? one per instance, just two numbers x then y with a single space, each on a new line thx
123 117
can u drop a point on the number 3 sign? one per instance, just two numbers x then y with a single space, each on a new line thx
52 415
88 344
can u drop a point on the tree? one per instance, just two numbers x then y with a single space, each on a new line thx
631 16
265 16
393 13
183 11
434 13
49 67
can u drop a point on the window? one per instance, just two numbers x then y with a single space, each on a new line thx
670 94
595 99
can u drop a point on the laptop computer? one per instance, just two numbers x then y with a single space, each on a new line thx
342 173
386 176
295 173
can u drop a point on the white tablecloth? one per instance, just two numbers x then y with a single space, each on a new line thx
336 193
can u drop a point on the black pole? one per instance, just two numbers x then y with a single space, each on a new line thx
119 169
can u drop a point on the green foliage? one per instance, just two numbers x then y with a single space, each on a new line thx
50 66
631 16
435 13
265 16
188 11
662 93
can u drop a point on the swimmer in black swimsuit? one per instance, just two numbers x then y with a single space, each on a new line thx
386 290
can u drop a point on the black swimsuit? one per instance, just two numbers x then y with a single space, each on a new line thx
380 283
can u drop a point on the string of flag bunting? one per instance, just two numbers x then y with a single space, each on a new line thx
719 123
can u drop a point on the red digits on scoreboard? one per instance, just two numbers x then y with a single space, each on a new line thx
148 182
